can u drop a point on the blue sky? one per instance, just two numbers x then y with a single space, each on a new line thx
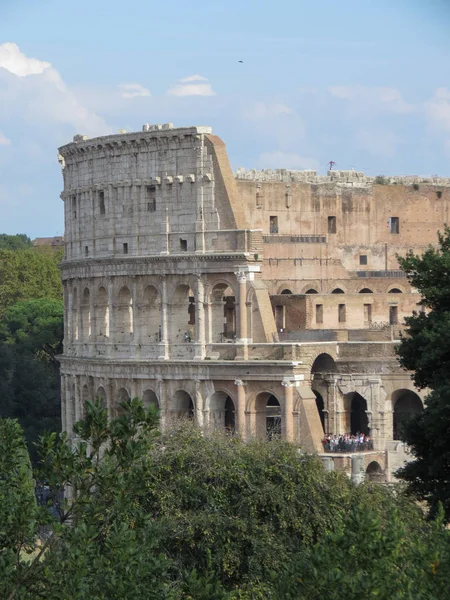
365 83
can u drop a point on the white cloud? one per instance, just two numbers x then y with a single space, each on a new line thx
193 78
32 90
261 110
370 99
184 88
133 90
437 110
286 160
18 64
379 142
4 141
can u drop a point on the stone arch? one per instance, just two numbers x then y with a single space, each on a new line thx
102 313
149 398
365 290
338 291
311 288
395 290
85 397
405 405
356 419
75 313
267 410
101 395
374 472
222 411
183 405
222 312
150 315
324 363
182 314
123 395
124 324
86 315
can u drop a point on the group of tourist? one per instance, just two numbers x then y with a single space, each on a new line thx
347 442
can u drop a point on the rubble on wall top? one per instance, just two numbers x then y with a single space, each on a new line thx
345 178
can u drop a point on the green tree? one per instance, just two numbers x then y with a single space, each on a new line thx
27 275
425 350
31 334
19 241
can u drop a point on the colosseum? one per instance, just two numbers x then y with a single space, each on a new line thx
261 302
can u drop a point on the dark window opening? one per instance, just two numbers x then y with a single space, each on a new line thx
363 259
341 313
151 198
86 250
338 291
367 314
393 315
191 310
125 248
273 224
311 291
331 224
101 202
394 225
365 291
74 206
183 245
319 313
439 194
395 291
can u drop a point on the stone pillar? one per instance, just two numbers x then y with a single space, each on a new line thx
134 305
164 342
68 337
64 400
288 417
162 404
198 404
111 315
243 330
77 399
200 320
241 428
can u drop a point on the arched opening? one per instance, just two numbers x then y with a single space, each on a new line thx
406 404
395 291
222 412
149 318
85 397
338 291
365 291
125 315
75 309
122 396
222 313
86 315
268 416
374 472
324 363
182 315
311 291
149 398
101 395
286 292
102 313
320 408
357 420
183 405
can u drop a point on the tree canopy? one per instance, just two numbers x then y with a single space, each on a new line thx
19 241
425 350
186 515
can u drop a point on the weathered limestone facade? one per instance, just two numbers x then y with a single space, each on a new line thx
258 302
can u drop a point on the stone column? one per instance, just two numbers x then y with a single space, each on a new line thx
243 330
77 399
288 417
111 316
134 305
200 320
164 342
64 402
198 404
162 403
241 428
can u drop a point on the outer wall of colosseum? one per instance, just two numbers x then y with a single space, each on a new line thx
264 303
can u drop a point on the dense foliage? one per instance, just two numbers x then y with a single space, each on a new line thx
426 351
189 516
14 242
